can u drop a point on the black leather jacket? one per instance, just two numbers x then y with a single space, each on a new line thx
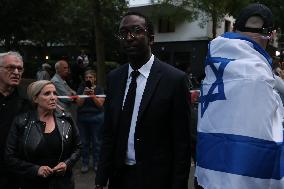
26 134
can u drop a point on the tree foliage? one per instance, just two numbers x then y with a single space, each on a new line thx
94 23
175 11
26 20
207 10
216 10
88 23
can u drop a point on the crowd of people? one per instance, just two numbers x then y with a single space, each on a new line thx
141 133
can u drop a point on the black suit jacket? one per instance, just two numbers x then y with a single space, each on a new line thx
162 135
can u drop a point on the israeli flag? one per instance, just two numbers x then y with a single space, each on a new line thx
240 133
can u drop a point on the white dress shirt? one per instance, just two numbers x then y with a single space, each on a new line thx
141 83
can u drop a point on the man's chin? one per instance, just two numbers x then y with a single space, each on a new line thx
14 83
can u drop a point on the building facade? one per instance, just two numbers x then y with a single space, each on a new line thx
183 43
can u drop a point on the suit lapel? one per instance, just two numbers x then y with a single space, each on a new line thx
119 92
151 85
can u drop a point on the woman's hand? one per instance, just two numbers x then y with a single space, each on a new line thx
60 169
44 171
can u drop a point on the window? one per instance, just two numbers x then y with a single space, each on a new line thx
166 25
227 26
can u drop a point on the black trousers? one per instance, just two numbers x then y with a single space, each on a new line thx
126 178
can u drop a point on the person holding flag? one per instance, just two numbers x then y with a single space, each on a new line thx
240 133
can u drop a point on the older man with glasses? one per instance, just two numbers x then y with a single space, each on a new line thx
12 102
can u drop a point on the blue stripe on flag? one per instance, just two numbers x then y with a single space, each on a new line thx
256 46
240 155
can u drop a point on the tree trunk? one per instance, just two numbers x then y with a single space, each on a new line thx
100 51
214 24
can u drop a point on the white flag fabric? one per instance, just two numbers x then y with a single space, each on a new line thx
240 133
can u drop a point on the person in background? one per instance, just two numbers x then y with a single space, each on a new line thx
279 86
240 132
62 88
90 119
146 132
44 73
12 102
279 76
43 144
78 69
83 60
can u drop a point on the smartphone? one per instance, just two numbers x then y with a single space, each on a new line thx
88 84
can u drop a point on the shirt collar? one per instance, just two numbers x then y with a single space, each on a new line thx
145 69
59 78
11 95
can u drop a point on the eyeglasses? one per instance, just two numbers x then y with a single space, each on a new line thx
266 35
134 32
12 68
263 31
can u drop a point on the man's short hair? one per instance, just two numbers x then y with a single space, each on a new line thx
57 65
258 10
45 66
10 53
148 23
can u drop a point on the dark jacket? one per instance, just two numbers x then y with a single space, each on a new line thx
11 106
24 137
15 104
162 133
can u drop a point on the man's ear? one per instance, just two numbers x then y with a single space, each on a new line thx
151 39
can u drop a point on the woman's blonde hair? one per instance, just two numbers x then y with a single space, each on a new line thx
35 87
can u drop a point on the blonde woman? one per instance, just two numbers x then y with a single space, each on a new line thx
43 144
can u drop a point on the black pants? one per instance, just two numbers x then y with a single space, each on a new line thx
126 178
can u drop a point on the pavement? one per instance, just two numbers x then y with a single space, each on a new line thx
87 180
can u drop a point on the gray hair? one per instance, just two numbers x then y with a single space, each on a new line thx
45 66
92 72
58 64
35 87
10 53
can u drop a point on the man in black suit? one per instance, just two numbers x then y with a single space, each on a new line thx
146 137
13 101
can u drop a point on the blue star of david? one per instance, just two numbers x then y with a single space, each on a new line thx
210 97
